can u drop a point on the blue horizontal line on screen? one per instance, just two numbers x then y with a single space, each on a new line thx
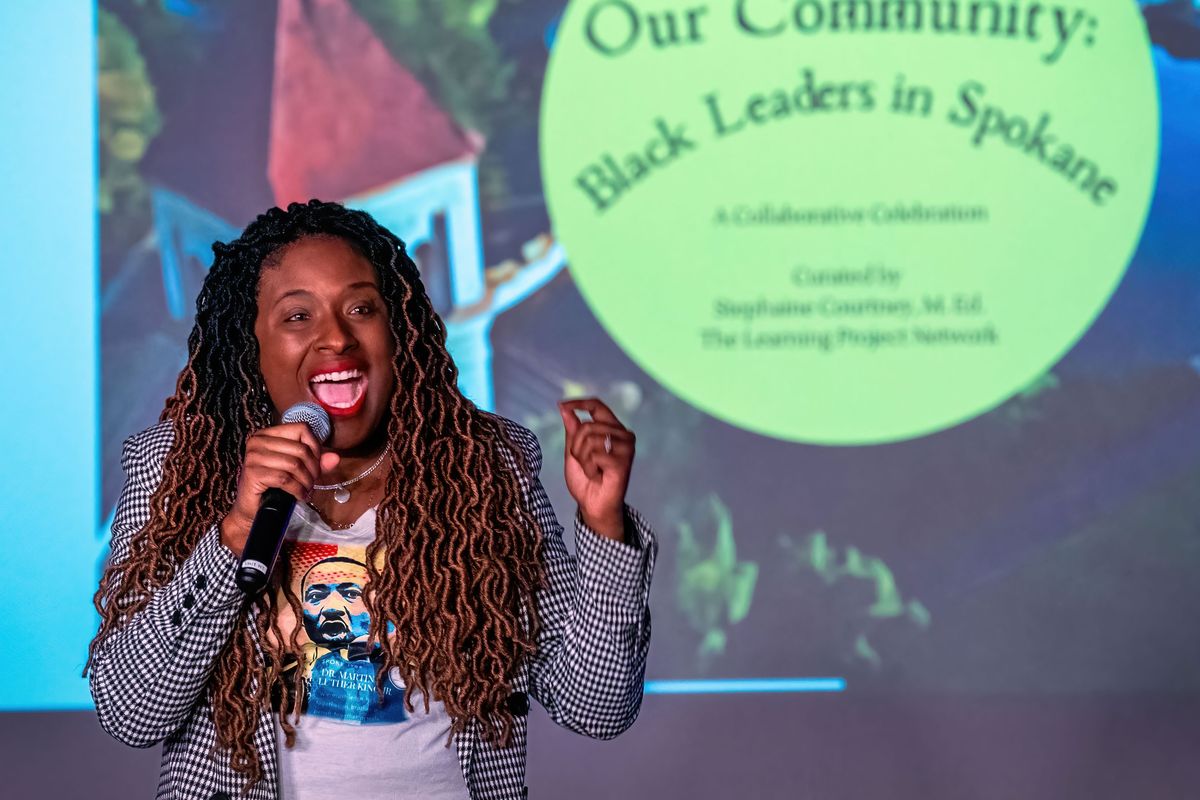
747 685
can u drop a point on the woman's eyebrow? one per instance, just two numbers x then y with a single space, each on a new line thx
291 293
306 293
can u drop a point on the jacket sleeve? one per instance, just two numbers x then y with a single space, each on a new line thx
590 663
148 674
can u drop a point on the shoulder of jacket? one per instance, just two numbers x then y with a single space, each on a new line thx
523 438
143 453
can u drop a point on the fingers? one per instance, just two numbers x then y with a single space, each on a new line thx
586 441
598 446
260 465
286 454
593 406
280 479
589 431
295 430
284 457
595 461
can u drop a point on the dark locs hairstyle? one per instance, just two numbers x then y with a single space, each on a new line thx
455 562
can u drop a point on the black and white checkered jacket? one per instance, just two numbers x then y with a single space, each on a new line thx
150 678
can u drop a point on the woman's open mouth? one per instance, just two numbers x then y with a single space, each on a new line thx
340 393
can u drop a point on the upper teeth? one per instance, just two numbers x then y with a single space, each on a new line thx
336 376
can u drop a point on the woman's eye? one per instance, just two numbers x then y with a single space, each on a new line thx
298 316
362 308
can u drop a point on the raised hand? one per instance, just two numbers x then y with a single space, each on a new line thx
599 459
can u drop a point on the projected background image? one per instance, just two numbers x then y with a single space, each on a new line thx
954 561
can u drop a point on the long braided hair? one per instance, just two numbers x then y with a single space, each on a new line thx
454 564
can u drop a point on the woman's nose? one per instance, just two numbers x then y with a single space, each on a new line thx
335 336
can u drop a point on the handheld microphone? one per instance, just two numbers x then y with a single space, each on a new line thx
274 512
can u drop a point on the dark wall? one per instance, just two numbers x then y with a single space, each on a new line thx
744 747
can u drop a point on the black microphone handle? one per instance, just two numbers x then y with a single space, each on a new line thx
264 541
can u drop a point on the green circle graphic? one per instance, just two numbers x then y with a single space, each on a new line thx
848 222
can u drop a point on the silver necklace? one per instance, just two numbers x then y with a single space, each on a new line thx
340 492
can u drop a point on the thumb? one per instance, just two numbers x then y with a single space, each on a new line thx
329 461
570 421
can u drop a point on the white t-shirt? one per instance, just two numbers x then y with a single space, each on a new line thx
349 741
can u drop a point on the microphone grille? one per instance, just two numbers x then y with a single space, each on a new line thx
312 415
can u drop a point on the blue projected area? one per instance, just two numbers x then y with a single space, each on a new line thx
48 478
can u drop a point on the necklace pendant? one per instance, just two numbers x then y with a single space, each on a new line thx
342 495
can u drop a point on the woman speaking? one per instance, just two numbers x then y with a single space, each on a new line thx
423 591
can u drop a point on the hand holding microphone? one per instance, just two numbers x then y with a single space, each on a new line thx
281 464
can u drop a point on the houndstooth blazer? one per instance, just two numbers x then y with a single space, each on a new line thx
149 679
